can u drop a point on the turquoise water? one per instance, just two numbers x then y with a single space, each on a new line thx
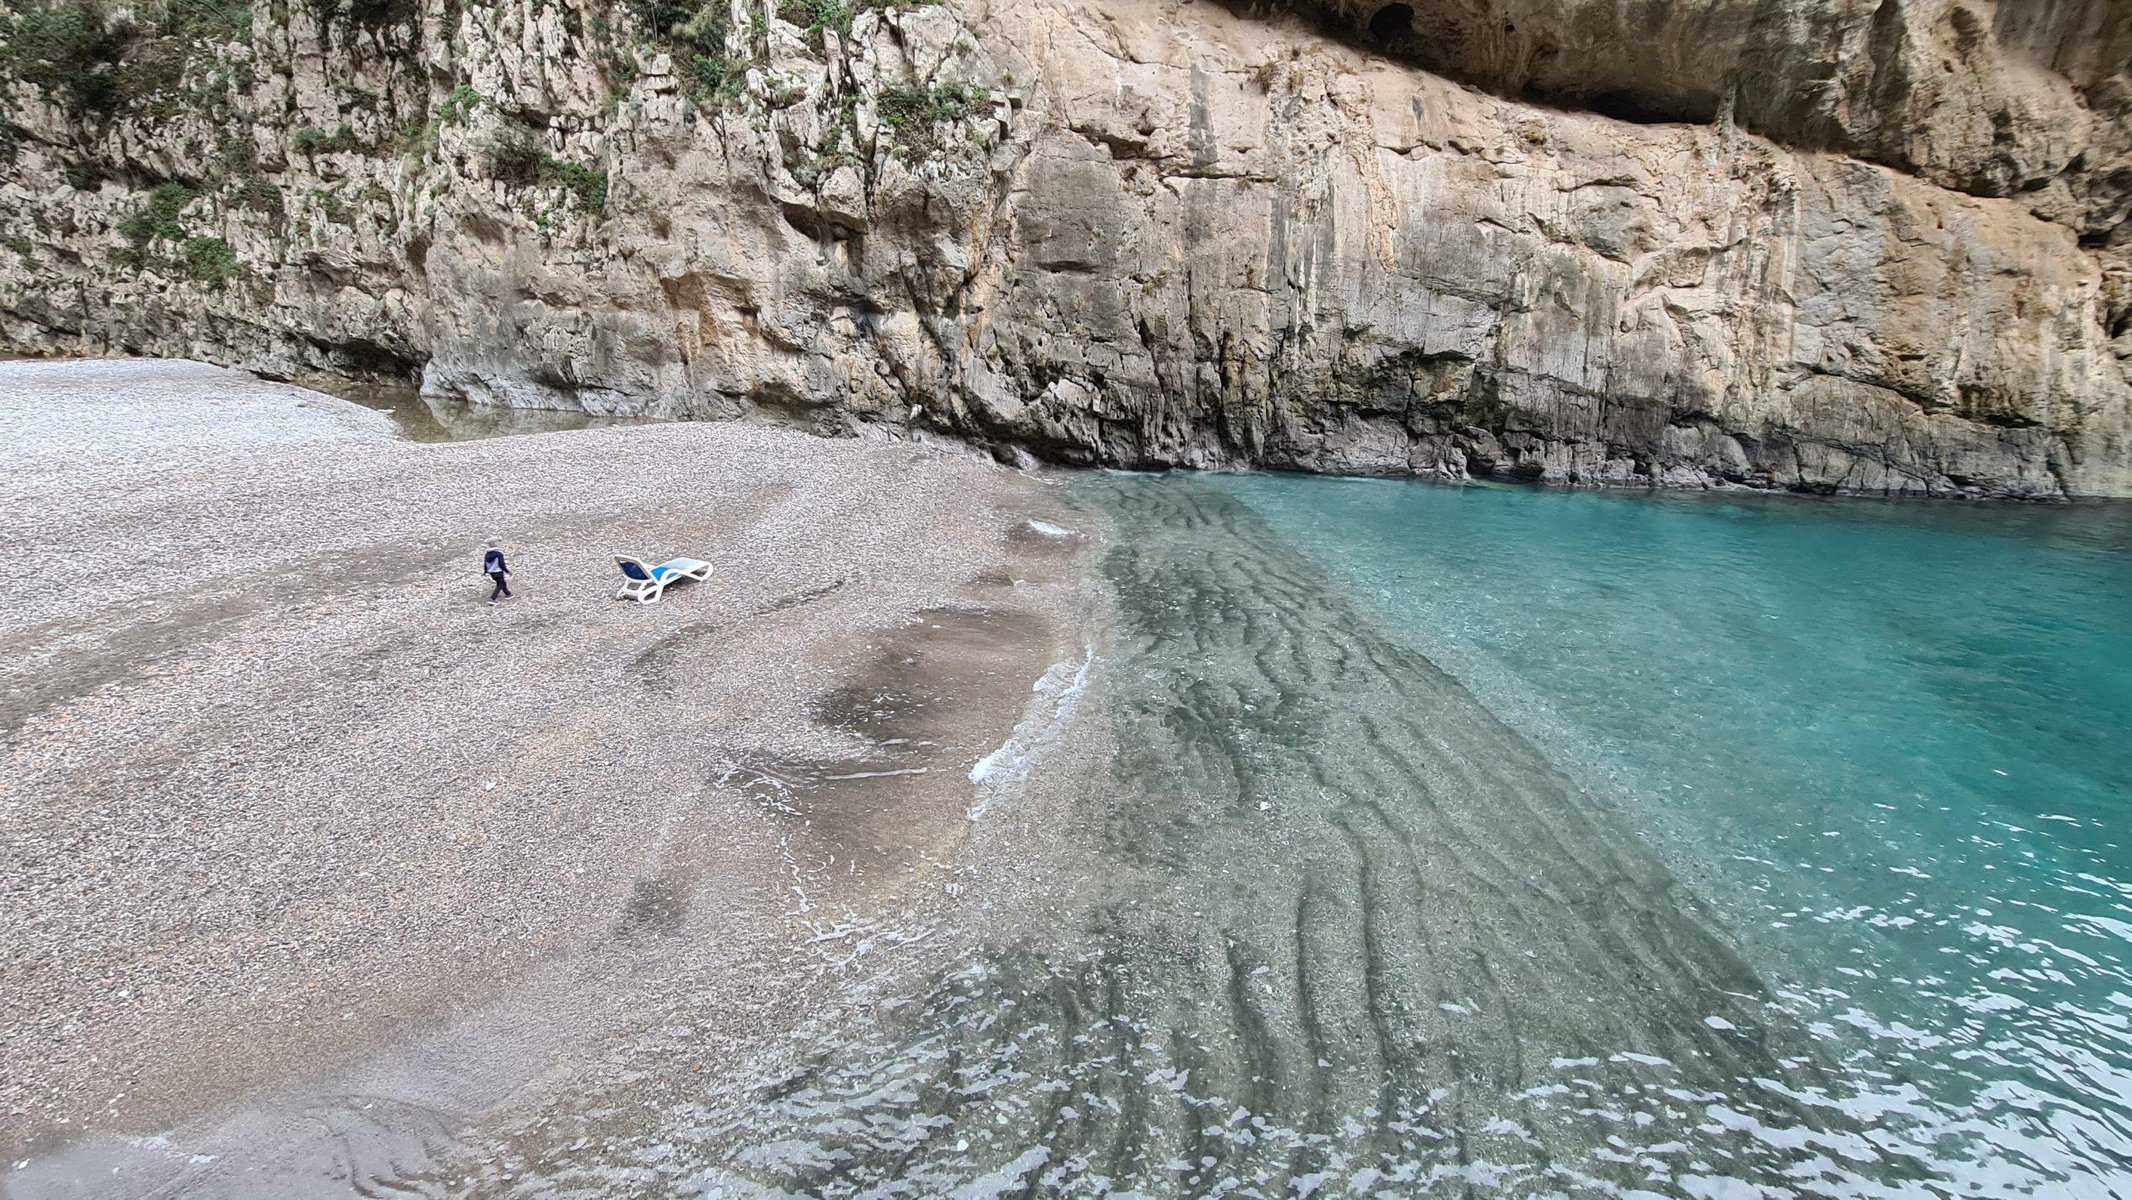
1417 841
1891 743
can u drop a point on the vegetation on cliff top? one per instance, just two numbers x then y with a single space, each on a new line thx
99 60
108 59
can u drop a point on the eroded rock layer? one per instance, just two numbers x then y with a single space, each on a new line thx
1784 243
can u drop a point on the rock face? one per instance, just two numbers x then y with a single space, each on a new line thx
1782 243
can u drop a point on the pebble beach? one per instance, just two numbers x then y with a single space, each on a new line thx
284 796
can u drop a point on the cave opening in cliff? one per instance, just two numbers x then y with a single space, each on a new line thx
1692 107
1393 24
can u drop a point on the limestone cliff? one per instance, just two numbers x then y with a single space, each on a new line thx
1814 244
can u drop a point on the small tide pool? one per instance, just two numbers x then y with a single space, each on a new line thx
420 418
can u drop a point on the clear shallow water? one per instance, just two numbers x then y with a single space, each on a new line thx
1361 871
1290 914
1889 742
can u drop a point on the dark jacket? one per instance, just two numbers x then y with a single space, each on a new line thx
492 563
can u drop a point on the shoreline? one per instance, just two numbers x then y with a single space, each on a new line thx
975 827
385 394
289 779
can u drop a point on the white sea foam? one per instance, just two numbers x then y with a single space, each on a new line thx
1058 693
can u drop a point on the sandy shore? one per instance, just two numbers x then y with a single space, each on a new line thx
282 797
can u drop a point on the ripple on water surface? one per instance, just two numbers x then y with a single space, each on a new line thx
1885 740
1483 842
1381 810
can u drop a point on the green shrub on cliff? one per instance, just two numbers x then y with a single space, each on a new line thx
817 17
460 104
206 260
332 206
239 155
713 78
618 67
261 196
588 185
98 62
151 79
311 142
696 34
913 114
421 137
160 220
209 260
371 15
242 181
714 81
68 51
206 20
517 161
663 19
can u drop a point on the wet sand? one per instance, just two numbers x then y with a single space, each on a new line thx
1281 911
311 854
966 835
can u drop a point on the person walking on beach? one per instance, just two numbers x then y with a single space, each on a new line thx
492 565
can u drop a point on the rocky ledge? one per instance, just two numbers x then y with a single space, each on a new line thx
1770 243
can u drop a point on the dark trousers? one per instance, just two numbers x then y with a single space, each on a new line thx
502 588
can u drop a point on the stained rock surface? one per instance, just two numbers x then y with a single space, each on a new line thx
1781 243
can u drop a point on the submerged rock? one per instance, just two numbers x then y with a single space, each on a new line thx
1773 243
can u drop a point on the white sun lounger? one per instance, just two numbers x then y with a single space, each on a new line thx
646 584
